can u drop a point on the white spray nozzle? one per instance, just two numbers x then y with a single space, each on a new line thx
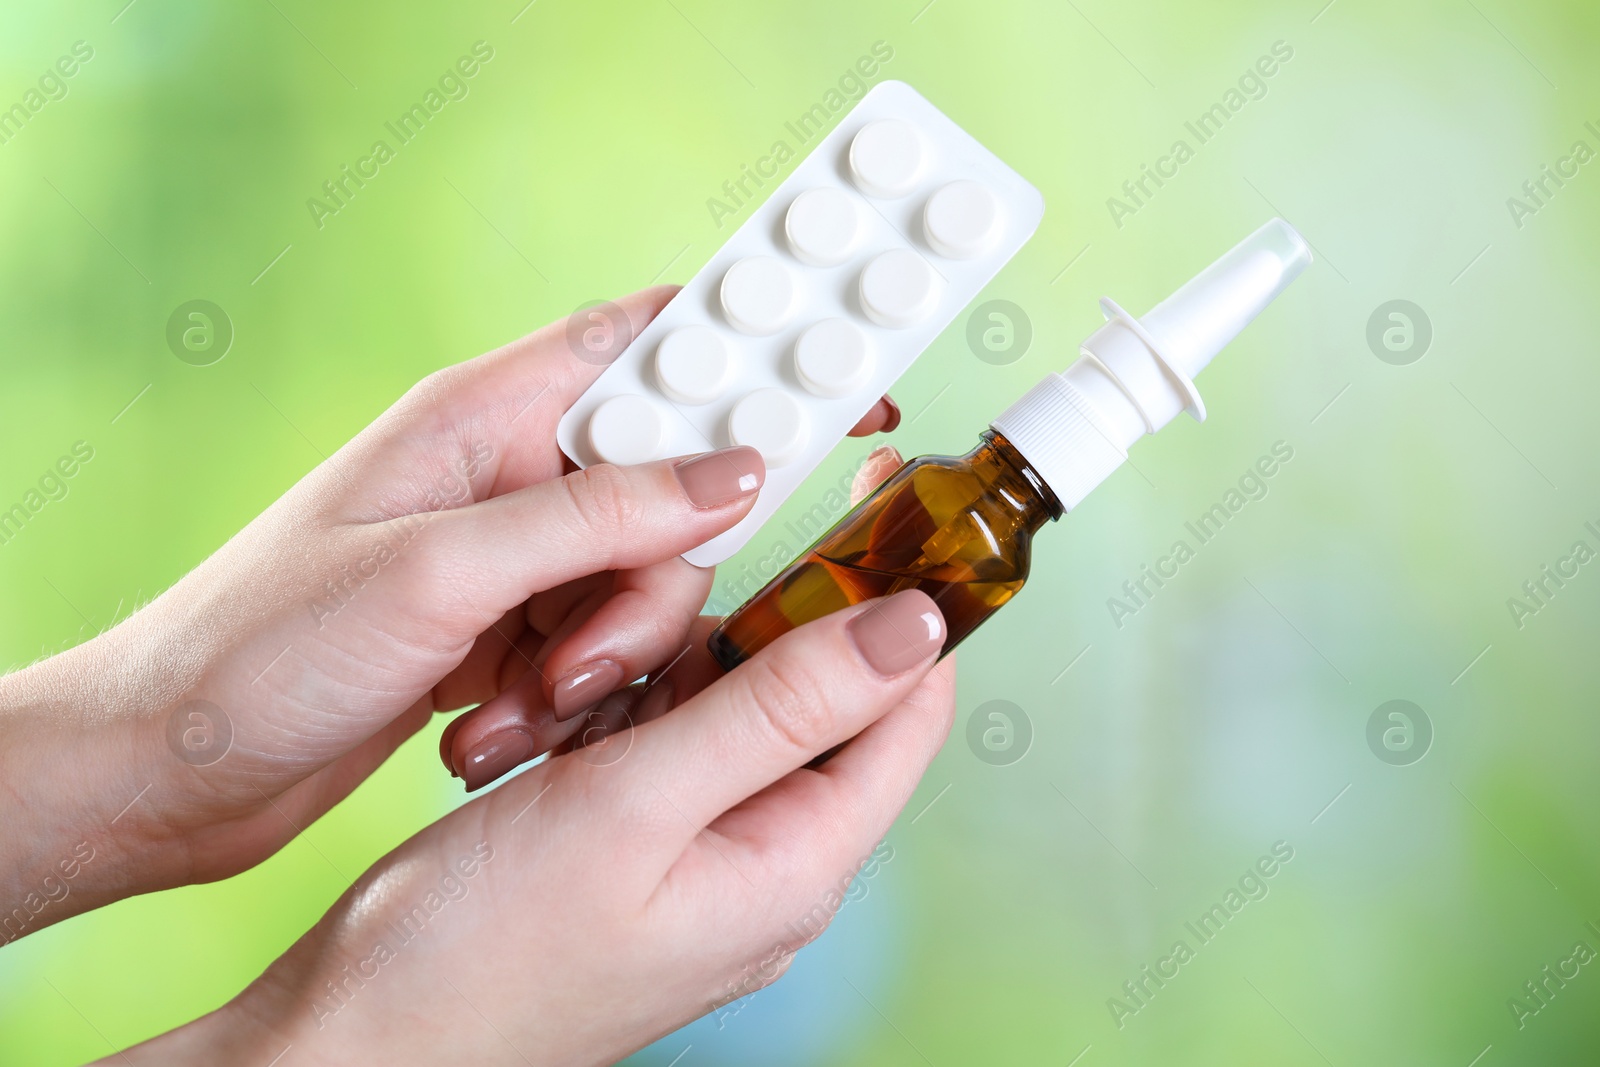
1135 375
1180 335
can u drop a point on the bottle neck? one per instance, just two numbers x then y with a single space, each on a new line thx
1014 481
1064 438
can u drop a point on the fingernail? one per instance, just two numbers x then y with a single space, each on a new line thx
883 454
898 632
884 461
894 415
446 745
494 756
581 688
714 478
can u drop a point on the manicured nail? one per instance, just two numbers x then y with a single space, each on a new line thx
494 756
894 415
446 745
720 477
898 632
583 687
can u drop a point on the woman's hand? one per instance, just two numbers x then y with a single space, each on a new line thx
444 557
614 893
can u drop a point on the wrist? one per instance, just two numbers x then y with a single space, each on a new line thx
76 757
230 1034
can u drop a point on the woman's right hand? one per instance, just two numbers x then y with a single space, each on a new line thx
615 892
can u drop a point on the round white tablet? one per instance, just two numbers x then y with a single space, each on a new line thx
822 226
627 429
693 364
758 295
961 220
886 158
772 422
832 358
899 288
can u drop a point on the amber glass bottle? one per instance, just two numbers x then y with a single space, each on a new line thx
960 527
957 527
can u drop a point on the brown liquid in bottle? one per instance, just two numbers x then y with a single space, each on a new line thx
957 527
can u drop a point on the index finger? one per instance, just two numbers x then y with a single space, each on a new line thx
516 393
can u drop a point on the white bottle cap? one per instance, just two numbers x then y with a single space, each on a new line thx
1135 375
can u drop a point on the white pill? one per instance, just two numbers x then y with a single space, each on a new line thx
961 220
886 158
693 364
772 422
758 295
899 288
832 358
626 429
822 226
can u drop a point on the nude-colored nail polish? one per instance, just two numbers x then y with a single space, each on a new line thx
721 477
899 632
494 756
447 745
583 687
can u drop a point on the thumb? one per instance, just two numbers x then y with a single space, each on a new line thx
498 552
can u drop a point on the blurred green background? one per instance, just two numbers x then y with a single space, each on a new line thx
1150 764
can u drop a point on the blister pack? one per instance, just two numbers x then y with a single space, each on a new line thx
815 305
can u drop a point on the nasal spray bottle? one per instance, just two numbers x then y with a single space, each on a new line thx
959 527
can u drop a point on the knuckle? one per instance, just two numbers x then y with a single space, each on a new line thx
786 701
775 965
603 499
805 927
431 391
755 976
781 965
